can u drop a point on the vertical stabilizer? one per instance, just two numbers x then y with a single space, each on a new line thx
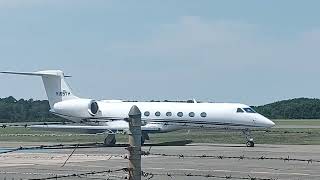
55 85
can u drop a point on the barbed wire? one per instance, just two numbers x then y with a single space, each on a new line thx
149 176
52 175
32 148
83 174
148 153
55 146
180 156
70 155
64 146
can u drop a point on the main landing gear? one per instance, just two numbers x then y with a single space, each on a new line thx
144 137
110 140
250 142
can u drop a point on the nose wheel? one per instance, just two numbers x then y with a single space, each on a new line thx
250 142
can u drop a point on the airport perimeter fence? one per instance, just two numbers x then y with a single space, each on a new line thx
150 175
149 153
113 173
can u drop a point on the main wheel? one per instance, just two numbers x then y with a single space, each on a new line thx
113 142
110 140
250 144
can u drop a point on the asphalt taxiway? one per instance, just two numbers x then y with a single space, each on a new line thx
44 163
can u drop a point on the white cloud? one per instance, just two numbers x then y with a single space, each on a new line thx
221 45
194 41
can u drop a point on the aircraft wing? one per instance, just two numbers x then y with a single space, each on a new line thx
73 128
89 129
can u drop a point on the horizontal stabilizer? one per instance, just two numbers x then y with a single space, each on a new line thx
39 73
21 73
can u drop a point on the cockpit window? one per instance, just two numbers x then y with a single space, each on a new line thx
249 110
239 110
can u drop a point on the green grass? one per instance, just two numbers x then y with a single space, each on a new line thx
276 136
309 122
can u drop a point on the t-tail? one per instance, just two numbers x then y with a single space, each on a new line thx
54 82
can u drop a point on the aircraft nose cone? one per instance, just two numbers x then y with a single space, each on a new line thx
267 122
264 122
271 123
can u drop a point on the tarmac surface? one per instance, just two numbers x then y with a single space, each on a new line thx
45 163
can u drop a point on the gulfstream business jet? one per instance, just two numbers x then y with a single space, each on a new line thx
108 116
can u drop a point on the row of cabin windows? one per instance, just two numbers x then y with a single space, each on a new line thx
180 114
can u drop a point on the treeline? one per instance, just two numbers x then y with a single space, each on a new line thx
12 110
300 108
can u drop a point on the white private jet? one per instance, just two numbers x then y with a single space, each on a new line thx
108 116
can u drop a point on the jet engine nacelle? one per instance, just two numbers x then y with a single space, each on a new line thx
77 108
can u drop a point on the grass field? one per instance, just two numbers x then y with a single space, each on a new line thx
275 136
281 136
297 122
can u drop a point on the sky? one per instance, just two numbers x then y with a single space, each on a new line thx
252 52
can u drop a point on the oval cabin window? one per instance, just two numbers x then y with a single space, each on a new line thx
157 113
180 114
147 113
191 114
203 114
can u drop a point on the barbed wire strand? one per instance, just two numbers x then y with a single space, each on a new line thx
147 153
60 146
285 159
83 174
70 155
150 176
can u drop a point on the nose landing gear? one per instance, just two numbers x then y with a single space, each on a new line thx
250 142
